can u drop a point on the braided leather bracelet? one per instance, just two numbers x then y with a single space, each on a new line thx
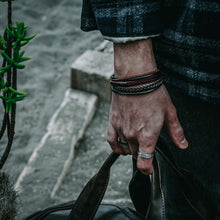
139 87
136 85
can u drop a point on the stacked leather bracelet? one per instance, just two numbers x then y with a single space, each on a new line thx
137 85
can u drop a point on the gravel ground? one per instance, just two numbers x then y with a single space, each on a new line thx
58 43
91 153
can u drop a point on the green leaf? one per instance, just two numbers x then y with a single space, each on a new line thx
13 27
5 35
6 68
30 37
3 97
24 42
6 57
16 92
20 29
17 44
21 54
24 33
2 82
10 107
10 33
5 89
16 99
19 66
11 61
16 55
24 59
2 43
6 108
12 96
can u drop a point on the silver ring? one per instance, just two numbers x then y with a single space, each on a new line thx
146 156
122 142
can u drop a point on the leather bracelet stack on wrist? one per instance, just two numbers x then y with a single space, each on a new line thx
137 85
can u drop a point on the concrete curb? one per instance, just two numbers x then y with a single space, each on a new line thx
52 158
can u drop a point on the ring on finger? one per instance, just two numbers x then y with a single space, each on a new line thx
146 156
122 142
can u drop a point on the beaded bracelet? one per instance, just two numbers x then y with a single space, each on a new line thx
136 85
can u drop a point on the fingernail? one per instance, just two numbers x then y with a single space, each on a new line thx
183 141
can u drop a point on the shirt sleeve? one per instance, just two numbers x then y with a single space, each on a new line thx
122 20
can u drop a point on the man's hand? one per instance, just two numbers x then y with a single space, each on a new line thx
138 119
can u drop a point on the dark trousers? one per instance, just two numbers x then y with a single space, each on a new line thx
200 121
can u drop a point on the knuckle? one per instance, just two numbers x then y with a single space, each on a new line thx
145 169
117 150
129 134
114 117
148 147
144 166
173 123
172 114
145 135
110 140
179 132
148 137
147 143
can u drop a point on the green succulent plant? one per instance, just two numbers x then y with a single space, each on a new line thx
16 36
12 40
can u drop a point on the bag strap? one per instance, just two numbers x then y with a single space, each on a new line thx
146 193
156 207
91 196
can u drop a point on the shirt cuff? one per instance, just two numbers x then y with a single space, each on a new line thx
127 39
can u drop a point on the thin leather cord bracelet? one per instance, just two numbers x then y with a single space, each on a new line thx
137 85
136 93
137 77
140 87
136 82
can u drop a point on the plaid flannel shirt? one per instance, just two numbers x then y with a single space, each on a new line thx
185 35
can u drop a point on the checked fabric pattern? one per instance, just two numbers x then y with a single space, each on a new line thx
186 37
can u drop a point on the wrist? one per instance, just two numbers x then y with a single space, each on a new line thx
137 85
133 58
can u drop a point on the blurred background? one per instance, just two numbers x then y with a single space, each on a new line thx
58 43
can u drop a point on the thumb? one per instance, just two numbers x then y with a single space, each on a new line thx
174 128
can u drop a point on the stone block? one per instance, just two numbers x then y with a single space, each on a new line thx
91 73
105 46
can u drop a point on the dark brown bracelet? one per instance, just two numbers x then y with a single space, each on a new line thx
138 77
136 93
133 90
139 87
136 82
136 85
